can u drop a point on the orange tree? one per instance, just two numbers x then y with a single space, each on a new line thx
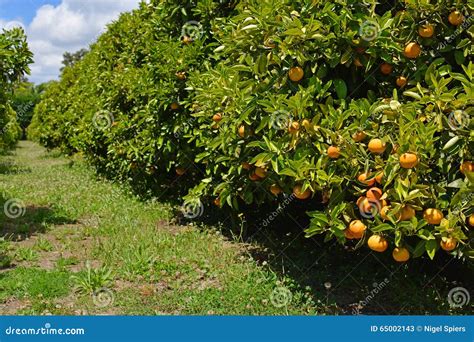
14 60
363 108
360 107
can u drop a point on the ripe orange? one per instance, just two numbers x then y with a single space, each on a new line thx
379 177
470 220
275 189
217 202
215 126
386 69
302 195
408 160
377 243
377 146
433 216
366 205
181 75
467 166
253 177
401 254
246 166
406 213
296 74
401 81
294 127
456 18
357 228
426 31
261 172
180 171
384 213
174 106
217 117
448 244
412 50
374 194
363 179
359 136
348 234
334 152
242 131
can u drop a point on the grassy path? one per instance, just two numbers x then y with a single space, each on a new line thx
84 246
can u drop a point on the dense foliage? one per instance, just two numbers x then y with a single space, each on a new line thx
364 108
14 60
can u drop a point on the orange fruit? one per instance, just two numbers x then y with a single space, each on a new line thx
348 234
181 75
379 177
470 220
357 228
187 40
275 189
363 179
246 166
386 68
359 136
253 177
448 244
426 31
412 50
180 171
377 243
242 131
334 152
401 81
302 195
400 254
433 216
261 172
406 213
467 166
217 117
174 106
377 146
408 160
374 194
384 213
366 205
294 127
296 74
456 18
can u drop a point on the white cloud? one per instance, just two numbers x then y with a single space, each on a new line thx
70 26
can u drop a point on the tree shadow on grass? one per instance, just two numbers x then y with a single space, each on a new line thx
19 221
349 280
10 168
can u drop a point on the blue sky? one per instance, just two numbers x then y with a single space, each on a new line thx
56 26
